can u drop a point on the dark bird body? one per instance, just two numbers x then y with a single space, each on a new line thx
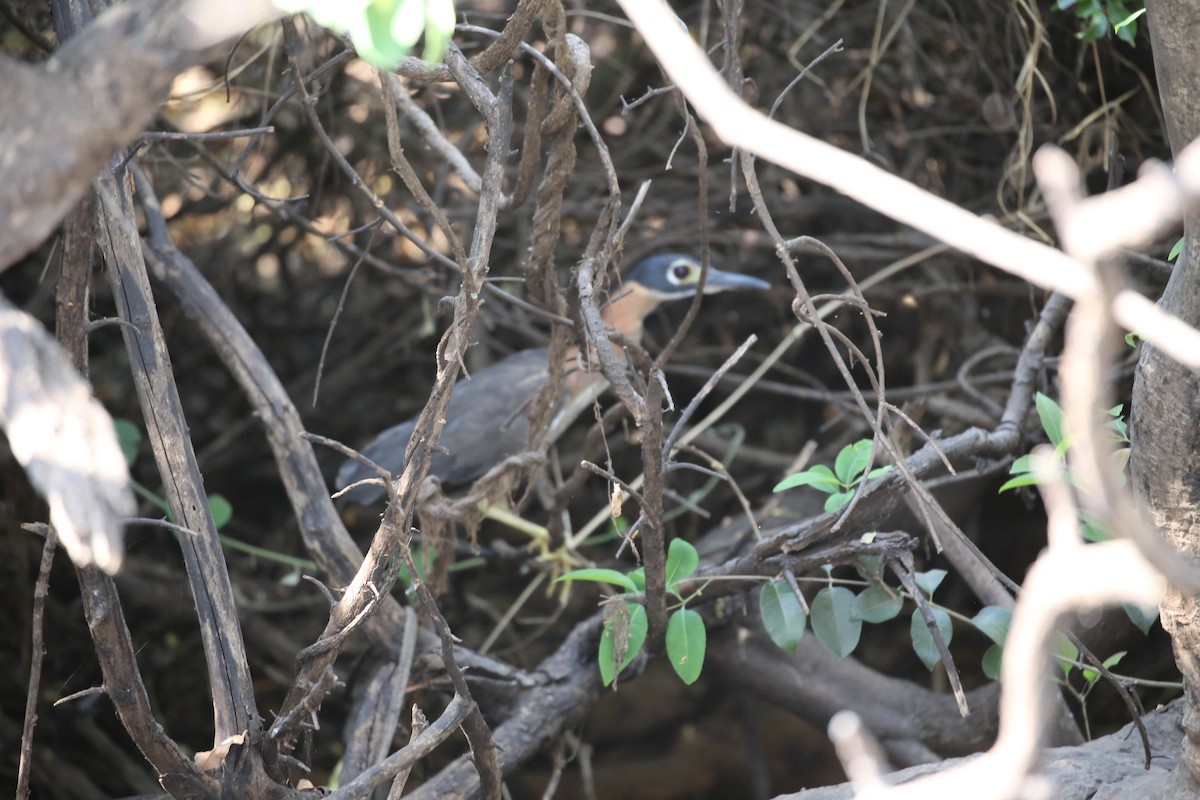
487 419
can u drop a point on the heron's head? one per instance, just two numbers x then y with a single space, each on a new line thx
662 278
675 276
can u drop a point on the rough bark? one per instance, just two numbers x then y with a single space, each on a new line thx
1165 459
114 75
1107 768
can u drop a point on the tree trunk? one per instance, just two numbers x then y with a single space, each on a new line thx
1165 429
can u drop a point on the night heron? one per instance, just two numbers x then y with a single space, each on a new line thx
487 419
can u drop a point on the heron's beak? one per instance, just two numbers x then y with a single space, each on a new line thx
721 281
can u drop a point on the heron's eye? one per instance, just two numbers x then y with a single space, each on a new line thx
681 271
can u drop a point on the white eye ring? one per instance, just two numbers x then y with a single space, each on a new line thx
680 271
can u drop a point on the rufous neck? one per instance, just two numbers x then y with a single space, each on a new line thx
628 310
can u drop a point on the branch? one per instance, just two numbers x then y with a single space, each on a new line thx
1156 199
114 75
234 708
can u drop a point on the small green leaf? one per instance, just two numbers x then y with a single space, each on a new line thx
1051 414
638 576
991 662
128 437
1094 533
852 460
1021 465
1027 479
1114 659
1068 655
383 31
439 28
1022 468
1118 424
819 477
1177 249
1091 675
1127 31
1133 339
869 567
833 620
782 615
623 636
875 473
686 643
682 560
993 622
1060 451
876 604
929 581
221 509
922 640
1143 618
836 502
600 575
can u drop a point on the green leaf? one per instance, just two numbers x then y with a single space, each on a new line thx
383 31
833 620
869 567
1060 452
836 502
1022 468
782 615
991 662
1091 675
1068 654
875 473
922 639
993 622
1094 533
221 509
638 576
686 643
1021 465
439 28
623 636
599 575
128 437
1127 32
1027 479
1126 29
682 560
1121 428
1177 249
876 604
852 461
1051 414
1143 618
819 477
929 581
1133 339
1118 424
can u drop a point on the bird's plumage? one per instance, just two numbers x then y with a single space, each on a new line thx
483 426
487 419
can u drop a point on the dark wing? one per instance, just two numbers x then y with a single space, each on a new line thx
487 421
